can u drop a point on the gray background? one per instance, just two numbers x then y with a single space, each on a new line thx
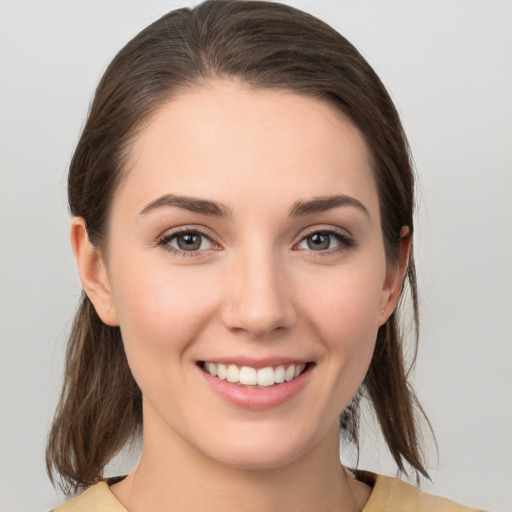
447 65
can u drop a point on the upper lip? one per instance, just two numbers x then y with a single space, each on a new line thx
256 363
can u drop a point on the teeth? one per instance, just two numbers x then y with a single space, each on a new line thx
233 374
248 376
222 370
279 374
211 369
298 370
266 376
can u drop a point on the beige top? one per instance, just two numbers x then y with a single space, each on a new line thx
388 495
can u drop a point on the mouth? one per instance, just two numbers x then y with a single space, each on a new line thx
247 376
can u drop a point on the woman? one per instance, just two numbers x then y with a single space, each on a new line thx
242 198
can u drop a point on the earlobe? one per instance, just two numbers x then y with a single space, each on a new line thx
93 272
395 276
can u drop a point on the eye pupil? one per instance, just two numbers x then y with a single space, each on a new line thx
318 241
190 242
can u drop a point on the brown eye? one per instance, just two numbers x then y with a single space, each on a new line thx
325 240
318 241
188 242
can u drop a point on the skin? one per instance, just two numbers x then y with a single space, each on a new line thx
255 288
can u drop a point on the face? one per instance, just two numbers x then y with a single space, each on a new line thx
245 266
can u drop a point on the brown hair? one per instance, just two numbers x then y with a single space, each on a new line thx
263 45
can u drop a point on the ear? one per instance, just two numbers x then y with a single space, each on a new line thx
394 277
93 272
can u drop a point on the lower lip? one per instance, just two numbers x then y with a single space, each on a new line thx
257 399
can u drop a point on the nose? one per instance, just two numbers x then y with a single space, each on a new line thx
259 294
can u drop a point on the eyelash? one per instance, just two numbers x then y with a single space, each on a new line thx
165 241
345 242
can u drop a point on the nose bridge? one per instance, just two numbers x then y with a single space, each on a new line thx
258 294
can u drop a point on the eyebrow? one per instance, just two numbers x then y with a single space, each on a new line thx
212 208
325 203
192 204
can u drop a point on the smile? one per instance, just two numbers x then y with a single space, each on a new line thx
248 376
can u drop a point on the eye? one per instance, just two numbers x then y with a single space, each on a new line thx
325 241
187 241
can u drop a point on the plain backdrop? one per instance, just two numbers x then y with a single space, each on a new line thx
447 65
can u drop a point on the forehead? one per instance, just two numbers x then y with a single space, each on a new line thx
224 138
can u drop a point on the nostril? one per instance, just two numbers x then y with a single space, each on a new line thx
258 302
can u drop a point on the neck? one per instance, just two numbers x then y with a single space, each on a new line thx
172 471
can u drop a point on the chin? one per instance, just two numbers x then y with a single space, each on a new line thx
261 457
260 448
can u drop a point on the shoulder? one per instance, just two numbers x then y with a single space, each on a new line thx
97 498
394 494
389 494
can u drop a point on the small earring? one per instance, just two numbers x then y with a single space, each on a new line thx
381 311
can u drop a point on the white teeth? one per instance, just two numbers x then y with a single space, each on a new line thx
233 373
222 370
249 376
298 370
289 373
279 374
266 376
212 369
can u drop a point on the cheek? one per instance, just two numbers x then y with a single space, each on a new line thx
161 314
343 308
345 301
161 311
